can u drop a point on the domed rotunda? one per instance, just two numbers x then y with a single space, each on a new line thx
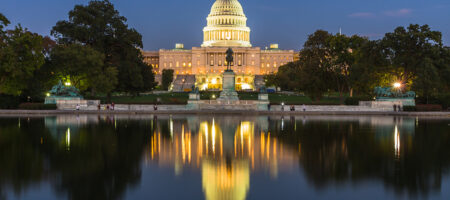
226 26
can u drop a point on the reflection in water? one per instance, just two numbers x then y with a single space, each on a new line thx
397 142
102 157
225 156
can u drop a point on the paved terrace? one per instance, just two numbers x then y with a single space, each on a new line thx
238 112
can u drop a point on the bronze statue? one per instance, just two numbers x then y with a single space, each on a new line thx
229 59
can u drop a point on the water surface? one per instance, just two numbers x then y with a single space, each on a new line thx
224 157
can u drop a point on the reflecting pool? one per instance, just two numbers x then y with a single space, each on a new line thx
224 157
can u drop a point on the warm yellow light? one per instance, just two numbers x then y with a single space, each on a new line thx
213 96
48 94
246 86
397 85
67 83
214 81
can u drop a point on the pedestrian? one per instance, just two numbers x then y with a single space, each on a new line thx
77 107
292 108
112 105
155 107
107 107
282 106
304 107
268 106
395 108
99 107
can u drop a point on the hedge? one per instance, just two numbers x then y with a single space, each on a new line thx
37 106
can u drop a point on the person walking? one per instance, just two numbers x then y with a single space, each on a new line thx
112 106
304 108
77 107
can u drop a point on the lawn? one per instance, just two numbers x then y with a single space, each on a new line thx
181 98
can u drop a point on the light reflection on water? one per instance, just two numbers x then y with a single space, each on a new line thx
225 157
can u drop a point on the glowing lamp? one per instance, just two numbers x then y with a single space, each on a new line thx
397 85
67 84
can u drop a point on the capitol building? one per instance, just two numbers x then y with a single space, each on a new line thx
203 66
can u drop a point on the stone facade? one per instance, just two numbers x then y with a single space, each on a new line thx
226 27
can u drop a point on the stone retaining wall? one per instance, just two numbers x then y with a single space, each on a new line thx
217 105
317 108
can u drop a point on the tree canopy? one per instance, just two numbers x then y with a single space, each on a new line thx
414 56
100 26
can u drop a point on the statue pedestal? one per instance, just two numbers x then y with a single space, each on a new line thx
54 99
228 87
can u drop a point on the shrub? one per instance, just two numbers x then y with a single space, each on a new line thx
37 106
9 102
409 108
429 107
355 100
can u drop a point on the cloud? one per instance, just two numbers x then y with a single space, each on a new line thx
398 13
362 15
404 12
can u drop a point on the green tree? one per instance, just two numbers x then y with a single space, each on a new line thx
343 51
167 78
100 26
43 78
315 61
406 49
78 64
20 56
286 78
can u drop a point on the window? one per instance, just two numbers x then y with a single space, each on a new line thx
189 64
184 64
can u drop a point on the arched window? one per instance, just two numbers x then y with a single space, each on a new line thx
239 80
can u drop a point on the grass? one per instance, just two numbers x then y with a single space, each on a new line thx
181 98
167 98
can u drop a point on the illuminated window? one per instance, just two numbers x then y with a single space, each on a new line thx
253 63
165 64
184 64
274 64
262 65
156 65
189 64
170 64
178 64
268 65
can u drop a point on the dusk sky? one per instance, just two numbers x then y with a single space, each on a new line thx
163 23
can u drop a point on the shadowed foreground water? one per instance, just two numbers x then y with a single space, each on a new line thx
224 157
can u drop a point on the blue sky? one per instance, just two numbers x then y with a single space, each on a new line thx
163 23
